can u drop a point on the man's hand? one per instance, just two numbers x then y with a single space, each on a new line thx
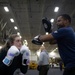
36 40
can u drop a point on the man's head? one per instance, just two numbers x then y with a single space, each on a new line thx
63 20
42 48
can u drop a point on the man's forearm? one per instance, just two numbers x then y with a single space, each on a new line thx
45 38
48 38
52 42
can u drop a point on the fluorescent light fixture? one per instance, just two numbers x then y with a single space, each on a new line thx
25 42
38 53
20 36
18 33
47 33
6 9
53 57
52 20
12 20
52 53
56 9
43 43
0 47
15 28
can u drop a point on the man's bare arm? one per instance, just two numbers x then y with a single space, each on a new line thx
48 38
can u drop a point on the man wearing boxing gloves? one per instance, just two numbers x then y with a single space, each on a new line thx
64 37
10 56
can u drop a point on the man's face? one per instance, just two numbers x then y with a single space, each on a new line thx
61 22
17 42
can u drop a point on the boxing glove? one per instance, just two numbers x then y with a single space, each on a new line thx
36 40
12 52
25 55
47 25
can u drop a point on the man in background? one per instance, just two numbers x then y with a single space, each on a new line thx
43 64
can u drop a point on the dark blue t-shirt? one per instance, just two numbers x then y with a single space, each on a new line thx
66 45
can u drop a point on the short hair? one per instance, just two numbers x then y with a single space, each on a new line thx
42 47
66 17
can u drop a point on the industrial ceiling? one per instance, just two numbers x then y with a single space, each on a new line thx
28 14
